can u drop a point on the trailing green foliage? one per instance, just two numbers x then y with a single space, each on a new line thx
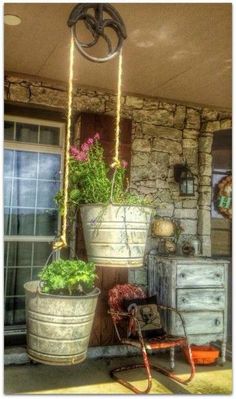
68 277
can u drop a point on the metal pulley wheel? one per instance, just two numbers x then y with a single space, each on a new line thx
96 22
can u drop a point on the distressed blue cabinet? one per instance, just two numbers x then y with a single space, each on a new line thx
197 287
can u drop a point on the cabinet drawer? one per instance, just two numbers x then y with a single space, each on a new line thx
200 322
200 299
200 275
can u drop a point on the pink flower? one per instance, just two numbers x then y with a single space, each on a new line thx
97 136
74 151
90 141
81 156
85 147
124 163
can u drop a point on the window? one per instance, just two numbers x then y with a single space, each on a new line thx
32 164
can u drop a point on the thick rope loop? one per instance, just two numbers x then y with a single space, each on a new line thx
62 242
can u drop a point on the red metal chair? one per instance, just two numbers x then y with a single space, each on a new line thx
116 301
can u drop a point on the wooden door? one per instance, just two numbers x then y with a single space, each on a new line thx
103 332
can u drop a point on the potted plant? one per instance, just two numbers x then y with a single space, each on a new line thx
115 222
59 312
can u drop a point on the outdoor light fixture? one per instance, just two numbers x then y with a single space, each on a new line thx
96 18
12 20
184 177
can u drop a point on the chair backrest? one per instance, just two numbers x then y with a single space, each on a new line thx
127 297
121 292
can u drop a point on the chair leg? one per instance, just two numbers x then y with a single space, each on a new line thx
173 376
127 384
148 368
172 358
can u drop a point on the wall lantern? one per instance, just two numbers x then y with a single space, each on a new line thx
184 177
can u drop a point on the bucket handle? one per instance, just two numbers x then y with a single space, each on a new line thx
55 252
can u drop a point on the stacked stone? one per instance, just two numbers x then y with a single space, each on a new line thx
163 134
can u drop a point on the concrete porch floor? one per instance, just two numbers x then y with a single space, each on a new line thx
92 377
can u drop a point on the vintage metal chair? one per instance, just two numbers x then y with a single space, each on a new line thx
132 319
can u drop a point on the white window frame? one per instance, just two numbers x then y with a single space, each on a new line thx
34 147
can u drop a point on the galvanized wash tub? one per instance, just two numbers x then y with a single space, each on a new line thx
115 235
58 327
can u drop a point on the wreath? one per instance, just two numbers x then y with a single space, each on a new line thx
224 197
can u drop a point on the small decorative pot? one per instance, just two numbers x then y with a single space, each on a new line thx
196 244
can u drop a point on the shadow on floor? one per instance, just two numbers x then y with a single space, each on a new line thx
92 377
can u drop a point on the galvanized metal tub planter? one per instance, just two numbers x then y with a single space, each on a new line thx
58 327
115 235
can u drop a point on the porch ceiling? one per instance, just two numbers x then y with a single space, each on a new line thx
174 51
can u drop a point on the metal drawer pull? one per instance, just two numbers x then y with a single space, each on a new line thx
183 300
218 298
182 275
218 275
217 322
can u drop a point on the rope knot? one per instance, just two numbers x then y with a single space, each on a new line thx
116 164
60 243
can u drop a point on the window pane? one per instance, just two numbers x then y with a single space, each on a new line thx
14 311
16 278
8 130
24 192
49 166
26 164
46 222
46 193
35 273
27 133
42 250
22 221
7 221
8 163
20 254
49 135
5 252
7 191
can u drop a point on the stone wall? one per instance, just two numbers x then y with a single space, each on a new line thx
163 134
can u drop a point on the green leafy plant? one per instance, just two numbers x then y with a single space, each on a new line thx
91 181
68 277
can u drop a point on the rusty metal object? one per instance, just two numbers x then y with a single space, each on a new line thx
116 235
168 341
95 18
58 327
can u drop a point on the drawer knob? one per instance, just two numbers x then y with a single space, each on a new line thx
182 275
217 322
217 275
218 298
183 300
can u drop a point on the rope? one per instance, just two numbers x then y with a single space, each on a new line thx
62 242
116 163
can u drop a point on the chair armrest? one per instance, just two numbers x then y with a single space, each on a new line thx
164 307
119 314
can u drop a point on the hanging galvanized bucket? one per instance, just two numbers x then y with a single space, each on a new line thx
115 236
58 327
